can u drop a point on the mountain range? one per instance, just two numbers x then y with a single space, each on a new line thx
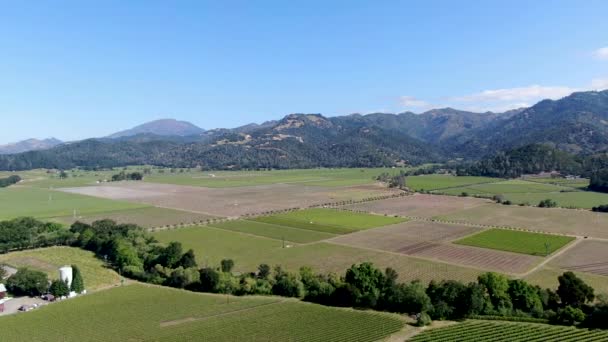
29 145
577 124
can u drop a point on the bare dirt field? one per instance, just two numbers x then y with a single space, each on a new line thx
424 240
227 202
563 221
149 217
588 256
419 205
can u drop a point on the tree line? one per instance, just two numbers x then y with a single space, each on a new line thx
10 180
135 253
122 176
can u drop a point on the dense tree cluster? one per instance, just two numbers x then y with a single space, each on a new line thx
27 232
122 176
26 282
601 208
10 180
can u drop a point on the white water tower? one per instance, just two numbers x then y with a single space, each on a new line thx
65 274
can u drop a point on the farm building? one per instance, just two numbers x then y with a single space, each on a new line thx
2 291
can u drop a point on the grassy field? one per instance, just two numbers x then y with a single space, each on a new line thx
567 194
516 241
434 182
147 217
546 277
148 313
41 203
48 260
315 177
477 331
330 220
211 245
274 231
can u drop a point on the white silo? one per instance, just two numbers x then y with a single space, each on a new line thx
65 274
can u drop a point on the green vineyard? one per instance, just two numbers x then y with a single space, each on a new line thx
479 331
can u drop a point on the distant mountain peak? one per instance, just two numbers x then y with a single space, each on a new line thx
29 145
163 127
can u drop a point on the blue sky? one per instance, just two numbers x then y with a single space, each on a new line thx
76 69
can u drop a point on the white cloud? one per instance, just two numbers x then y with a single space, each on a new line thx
410 101
520 94
601 53
599 84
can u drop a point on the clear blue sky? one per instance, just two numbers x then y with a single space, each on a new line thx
76 69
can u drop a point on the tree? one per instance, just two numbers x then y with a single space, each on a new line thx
408 298
171 255
497 287
188 260
573 291
63 175
366 282
547 203
209 279
570 315
288 285
447 299
525 297
77 281
27 282
263 271
227 265
59 288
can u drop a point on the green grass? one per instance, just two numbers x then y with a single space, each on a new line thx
211 245
274 231
479 331
148 217
48 260
517 241
313 177
434 182
25 201
149 313
330 220
506 187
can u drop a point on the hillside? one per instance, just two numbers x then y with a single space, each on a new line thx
163 127
576 124
29 145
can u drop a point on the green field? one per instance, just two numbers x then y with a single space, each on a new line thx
329 220
477 331
18 201
434 182
150 313
313 177
546 277
147 217
274 231
211 245
48 260
565 193
517 241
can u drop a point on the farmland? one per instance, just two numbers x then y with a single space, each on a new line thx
48 260
147 217
588 256
211 245
43 203
434 182
274 231
144 316
475 331
517 241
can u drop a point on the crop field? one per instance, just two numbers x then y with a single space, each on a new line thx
519 191
579 183
48 260
434 182
313 177
588 256
546 277
211 245
274 231
147 217
419 205
18 201
398 239
330 220
517 241
140 313
227 202
490 331
562 221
